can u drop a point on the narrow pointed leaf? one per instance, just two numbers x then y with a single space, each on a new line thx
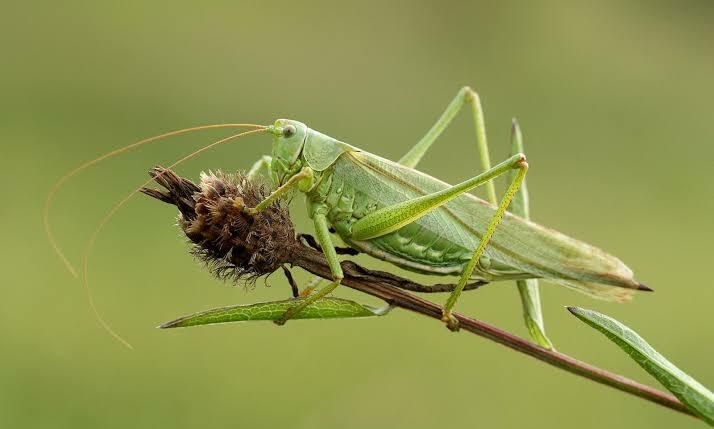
528 289
326 308
694 395
532 312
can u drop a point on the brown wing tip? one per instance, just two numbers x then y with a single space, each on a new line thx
644 287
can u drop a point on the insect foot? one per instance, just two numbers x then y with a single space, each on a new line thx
238 203
452 323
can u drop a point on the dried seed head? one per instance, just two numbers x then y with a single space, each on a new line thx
233 244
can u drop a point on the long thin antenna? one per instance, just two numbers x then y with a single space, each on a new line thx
110 214
56 187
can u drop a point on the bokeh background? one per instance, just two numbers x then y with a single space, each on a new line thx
615 99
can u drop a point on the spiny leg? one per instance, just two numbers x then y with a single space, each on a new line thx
522 167
323 238
391 218
465 95
528 289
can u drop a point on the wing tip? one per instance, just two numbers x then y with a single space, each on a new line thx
644 287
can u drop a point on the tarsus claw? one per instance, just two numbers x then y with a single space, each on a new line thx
451 322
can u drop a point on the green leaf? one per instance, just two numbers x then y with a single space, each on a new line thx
326 308
532 313
695 396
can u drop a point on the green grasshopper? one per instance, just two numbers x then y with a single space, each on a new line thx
393 212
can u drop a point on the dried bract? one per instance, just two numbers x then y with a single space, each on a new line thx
233 244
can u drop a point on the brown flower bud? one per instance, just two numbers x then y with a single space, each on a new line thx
233 244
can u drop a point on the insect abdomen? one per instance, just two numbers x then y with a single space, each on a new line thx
412 247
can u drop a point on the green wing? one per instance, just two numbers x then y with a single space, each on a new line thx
523 245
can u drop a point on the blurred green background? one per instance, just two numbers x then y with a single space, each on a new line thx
615 100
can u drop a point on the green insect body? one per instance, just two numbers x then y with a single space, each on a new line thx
349 184
393 212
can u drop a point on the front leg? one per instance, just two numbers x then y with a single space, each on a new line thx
304 180
322 232
262 164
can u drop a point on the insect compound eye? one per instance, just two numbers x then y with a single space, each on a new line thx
289 131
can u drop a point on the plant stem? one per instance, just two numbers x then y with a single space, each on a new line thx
386 286
382 285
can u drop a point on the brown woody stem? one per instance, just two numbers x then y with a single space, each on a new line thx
210 221
382 285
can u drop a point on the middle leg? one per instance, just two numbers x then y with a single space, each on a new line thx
328 249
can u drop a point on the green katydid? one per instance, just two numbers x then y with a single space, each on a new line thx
398 214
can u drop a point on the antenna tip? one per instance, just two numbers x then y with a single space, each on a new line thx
69 266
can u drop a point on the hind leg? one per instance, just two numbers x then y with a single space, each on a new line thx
391 218
466 95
